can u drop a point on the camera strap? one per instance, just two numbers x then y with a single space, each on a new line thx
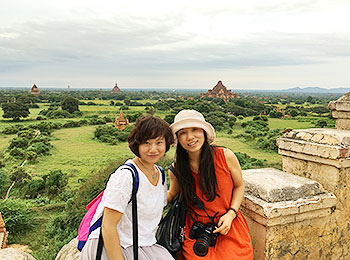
200 205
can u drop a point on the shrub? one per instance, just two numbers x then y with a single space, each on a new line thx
41 118
26 133
215 120
321 123
3 180
58 114
248 162
11 129
18 142
169 118
40 148
18 175
31 156
17 215
55 182
17 153
35 186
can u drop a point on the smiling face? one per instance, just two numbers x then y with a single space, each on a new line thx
191 139
152 150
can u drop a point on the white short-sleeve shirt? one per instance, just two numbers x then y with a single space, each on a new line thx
150 203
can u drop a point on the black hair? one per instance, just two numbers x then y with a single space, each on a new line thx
207 176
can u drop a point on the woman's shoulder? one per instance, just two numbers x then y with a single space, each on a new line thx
225 154
122 174
223 151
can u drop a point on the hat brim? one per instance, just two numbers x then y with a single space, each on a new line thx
192 122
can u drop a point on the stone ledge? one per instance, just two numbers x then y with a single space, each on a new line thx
324 136
340 114
272 185
280 213
341 104
274 197
321 150
338 163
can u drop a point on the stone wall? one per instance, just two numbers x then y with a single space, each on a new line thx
284 213
307 217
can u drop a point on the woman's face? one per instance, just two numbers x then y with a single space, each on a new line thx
191 138
152 150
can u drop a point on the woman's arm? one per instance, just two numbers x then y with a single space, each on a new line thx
236 174
174 188
110 234
225 221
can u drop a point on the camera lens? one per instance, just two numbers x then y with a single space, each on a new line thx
201 247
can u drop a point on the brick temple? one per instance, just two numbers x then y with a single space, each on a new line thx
35 90
116 89
122 121
220 91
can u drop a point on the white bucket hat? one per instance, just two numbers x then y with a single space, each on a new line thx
192 118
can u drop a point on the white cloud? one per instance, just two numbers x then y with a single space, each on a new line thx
160 40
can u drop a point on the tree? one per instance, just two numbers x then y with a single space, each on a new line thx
15 110
70 104
321 123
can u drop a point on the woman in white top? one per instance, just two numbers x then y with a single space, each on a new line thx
149 140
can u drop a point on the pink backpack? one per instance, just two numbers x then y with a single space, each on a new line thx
84 228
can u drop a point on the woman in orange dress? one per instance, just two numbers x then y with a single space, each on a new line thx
209 179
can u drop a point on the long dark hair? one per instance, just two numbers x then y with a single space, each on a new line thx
207 177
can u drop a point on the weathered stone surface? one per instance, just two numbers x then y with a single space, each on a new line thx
322 155
340 114
69 251
339 163
278 213
323 136
14 254
341 111
267 211
342 124
272 185
341 104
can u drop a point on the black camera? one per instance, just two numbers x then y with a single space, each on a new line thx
205 237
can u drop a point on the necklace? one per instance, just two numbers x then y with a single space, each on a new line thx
154 171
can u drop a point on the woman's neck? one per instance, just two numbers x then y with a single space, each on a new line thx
146 165
194 157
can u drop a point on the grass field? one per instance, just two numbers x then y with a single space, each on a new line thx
283 123
238 146
78 155
4 141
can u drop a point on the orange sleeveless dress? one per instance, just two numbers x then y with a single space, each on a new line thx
237 244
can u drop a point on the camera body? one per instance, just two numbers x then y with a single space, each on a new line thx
204 235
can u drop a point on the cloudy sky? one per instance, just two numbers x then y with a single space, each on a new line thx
252 44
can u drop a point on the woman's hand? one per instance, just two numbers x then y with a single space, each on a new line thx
224 224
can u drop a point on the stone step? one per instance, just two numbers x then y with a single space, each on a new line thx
273 197
272 185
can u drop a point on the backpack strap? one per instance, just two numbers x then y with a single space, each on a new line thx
171 168
163 174
135 186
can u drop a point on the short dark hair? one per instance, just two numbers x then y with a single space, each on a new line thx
149 127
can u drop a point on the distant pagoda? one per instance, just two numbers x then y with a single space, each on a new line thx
122 121
116 89
219 91
35 90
